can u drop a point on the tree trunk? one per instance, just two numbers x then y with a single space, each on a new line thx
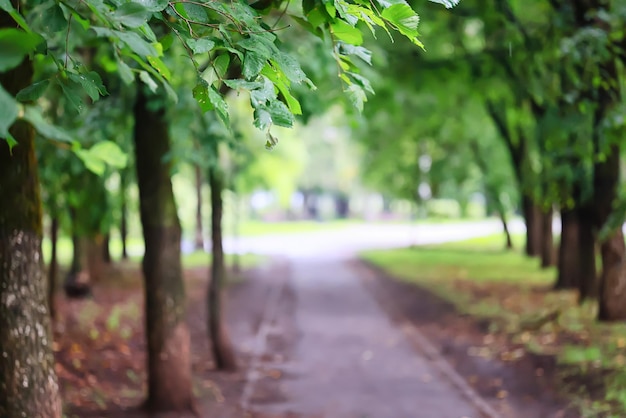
96 263
502 216
53 268
547 239
221 346
124 217
168 345
532 219
568 276
612 294
106 249
77 282
28 383
588 283
199 236
613 279
236 221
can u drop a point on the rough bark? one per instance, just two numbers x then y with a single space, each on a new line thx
547 239
53 268
613 280
199 235
28 384
612 294
221 347
168 345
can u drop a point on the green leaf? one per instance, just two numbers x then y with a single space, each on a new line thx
91 83
201 94
110 153
15 44
153 5
160 66
131 39
132 14
404 19
253 63
72 93
33 92
148 81
221 64
100 155
200 46
220 105
262 118
54 20
45 129
344 32
290 67
357 96
357 51
280 114
8 115
126 74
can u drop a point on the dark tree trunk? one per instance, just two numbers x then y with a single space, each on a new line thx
588 283
612 294
169 363
106 249
613 280
505 226
28 384
199 236
221 346
77 282
547 239
124 217
53 268
532 219
568 269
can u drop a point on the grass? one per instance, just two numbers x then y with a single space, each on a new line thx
510 290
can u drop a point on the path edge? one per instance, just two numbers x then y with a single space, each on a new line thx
420 342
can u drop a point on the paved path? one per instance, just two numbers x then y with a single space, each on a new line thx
327 349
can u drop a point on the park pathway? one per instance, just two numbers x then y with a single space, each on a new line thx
327 349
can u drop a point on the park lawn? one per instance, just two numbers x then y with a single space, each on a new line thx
514 295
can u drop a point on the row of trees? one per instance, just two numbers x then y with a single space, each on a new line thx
57 59
532 92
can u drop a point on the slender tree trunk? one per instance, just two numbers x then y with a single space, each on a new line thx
124 217
236 222
106 249
77 281
588 283
547 239
28 383
199 236
569 248
505 226
532 219
169 365
53 268
96 263
221 346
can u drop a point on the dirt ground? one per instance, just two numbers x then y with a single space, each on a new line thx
101 354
